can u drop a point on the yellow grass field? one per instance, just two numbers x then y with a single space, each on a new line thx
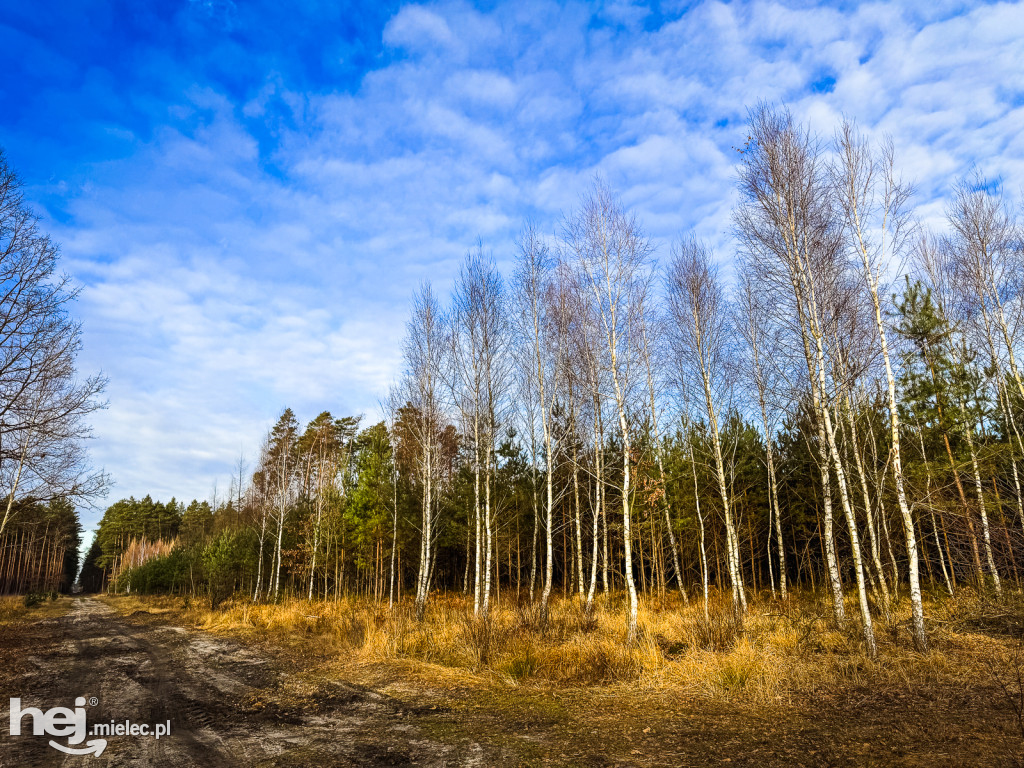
788 671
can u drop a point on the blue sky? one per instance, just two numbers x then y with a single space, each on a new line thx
249 192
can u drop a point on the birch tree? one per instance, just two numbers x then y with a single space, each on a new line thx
480 362
588 354
543 351
613 256
651 332
788 224
261 501
466 367
277 476
987 259
423 352
700 342
754 326
784 213
925 322
873 203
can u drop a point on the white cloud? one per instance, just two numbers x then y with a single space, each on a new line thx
237 263
489 88
418 28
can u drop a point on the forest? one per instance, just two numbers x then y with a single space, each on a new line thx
831 409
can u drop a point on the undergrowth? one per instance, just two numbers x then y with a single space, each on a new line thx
779 650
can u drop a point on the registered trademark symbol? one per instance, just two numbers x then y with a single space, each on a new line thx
93 701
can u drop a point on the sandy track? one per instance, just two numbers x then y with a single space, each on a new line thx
228 704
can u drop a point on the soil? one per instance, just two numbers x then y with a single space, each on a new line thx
242 701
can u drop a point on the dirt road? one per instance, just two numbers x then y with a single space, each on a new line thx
227 704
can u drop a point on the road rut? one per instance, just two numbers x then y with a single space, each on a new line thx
228 704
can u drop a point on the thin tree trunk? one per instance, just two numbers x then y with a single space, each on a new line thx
986 536
700 521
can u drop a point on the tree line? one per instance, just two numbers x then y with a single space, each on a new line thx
836 405
39 548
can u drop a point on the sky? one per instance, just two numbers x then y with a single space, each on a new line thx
249 193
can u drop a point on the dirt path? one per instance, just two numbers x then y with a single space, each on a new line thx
228 705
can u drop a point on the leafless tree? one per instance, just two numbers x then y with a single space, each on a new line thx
480 365
576 400
391 407
261 504
424 350
613 255
700 333
936 262
985 251
755 327
987 258
43 404
789 228
586 358
873 201
651 334
543 349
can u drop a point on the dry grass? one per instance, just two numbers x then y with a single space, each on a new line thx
783 649
12 609
16 609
